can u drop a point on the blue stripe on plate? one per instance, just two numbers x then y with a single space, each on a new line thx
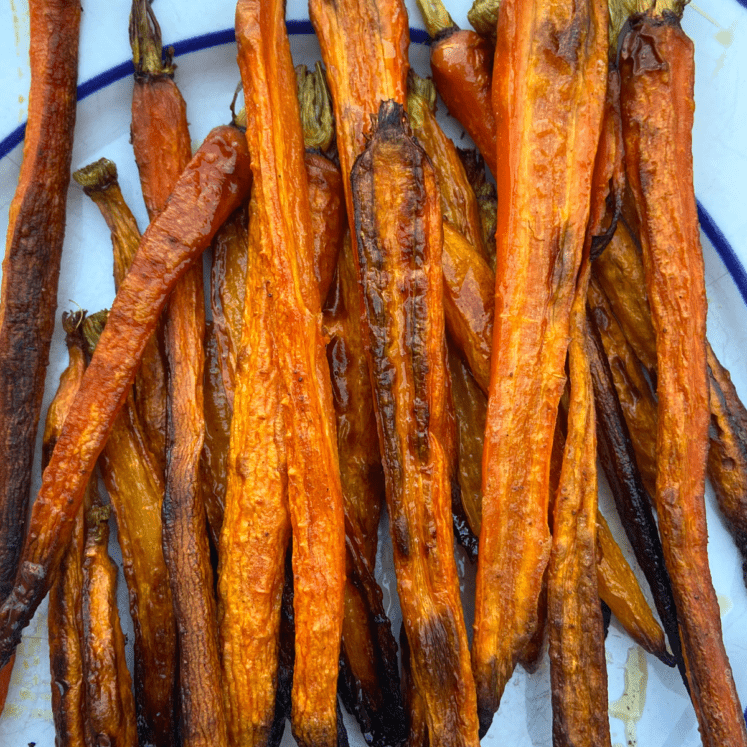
227 36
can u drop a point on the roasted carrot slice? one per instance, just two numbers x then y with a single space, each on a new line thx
284 233
545 67
110 704
657 104
369 679
65 622
619 589
135 485
31 266
462 67
397 214
99 181
211 187
256 525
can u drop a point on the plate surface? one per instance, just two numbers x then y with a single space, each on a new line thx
207 78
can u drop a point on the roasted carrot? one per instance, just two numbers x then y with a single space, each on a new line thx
458 200
727 456
369 681
634 392
65 621
256 525
624 322
469 303
398 224
470 406
110 706
632 502
99 181
462 67
657 104
222 339
135 486
415 705
211 187
185 543
619 589
487 197
31 266
307 421
550 65
578 669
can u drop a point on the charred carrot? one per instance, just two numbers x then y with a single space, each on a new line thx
462 68
539 243
657 104
65 622
31 266
99 181
222 339
209 190
369 681
398 224
110 706
487 197
306 417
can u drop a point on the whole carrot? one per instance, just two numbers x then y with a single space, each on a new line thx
462 69
657 74
65 623
31 266
212 186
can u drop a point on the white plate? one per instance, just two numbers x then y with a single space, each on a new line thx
207 79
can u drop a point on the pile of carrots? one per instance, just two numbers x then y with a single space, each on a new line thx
386 325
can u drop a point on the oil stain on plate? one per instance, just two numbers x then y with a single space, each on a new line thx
629 708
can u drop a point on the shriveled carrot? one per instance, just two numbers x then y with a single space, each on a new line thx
65 622
657 104
283 224
185 542
110 705
578 669
209 190
540 236
99 181
462 67
398 224
31 266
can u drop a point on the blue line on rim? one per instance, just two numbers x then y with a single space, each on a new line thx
227 36
185 46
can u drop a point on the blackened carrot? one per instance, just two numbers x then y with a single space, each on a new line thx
31 266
